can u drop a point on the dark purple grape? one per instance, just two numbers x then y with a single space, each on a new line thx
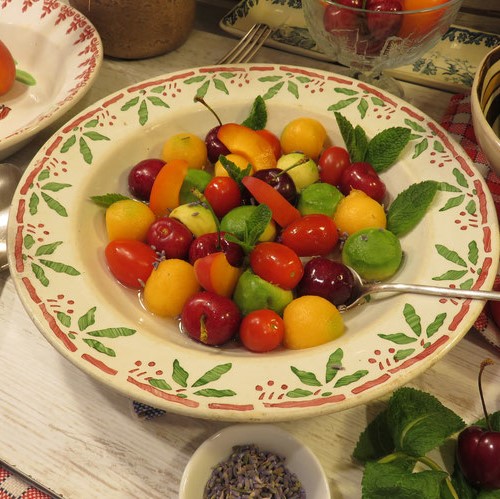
142 176
214 146
328 279
280 180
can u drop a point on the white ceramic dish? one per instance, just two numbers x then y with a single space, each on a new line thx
299 459
450 65
56 239
61 50
485 99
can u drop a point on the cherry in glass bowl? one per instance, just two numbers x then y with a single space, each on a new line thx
371 36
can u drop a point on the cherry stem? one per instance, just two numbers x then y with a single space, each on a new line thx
484 363
298 163
202 101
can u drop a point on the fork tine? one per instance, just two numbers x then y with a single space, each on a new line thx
247 47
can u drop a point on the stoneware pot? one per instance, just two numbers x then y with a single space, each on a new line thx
136 29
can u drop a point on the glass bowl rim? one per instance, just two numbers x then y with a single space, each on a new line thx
441 6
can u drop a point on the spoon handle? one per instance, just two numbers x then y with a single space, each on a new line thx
433 290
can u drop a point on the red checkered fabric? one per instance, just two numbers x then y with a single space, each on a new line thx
458 122
13 487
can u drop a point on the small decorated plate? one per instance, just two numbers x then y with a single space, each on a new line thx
450 65
58 54
57 236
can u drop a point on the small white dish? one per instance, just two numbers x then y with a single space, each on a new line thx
299 459
485 97
61 50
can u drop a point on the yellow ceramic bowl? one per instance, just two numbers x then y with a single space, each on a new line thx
485 104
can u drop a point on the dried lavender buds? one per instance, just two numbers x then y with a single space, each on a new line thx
252 473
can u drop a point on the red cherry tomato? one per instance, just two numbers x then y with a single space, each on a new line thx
332 162
262 330
363 177
7 69
130 261
273 140
277 264
223 194
311 235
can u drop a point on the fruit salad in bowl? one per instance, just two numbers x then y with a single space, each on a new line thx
192 280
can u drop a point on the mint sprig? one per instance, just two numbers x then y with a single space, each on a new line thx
381 151
255 225
410 206
233 171
402 435
106 200
257 119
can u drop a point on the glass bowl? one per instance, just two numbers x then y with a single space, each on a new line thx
370 36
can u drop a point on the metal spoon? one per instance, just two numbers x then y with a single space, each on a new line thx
9 178
362 289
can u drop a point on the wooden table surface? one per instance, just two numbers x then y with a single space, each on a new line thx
82 440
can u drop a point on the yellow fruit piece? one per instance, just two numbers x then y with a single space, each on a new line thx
305 135
169 286
128 219
240 161
311 321
188 147
359 211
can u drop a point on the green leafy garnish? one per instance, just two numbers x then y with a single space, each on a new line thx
257 118
255 225
410 206
233 171
25 78
107 200
400 437
381 151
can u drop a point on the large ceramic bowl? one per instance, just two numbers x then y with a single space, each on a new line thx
56 241
61 52
485 106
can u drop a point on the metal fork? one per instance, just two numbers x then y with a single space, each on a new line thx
248 46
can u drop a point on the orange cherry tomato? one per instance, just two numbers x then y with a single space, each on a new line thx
417 25
7 69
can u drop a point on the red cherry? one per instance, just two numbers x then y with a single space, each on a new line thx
478 449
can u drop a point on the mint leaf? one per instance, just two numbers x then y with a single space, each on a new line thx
384 149
347 132
257 118
463 488
107 200
494 420
410 206
393 480
360 145
419 422
255 225
375 441
233 171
